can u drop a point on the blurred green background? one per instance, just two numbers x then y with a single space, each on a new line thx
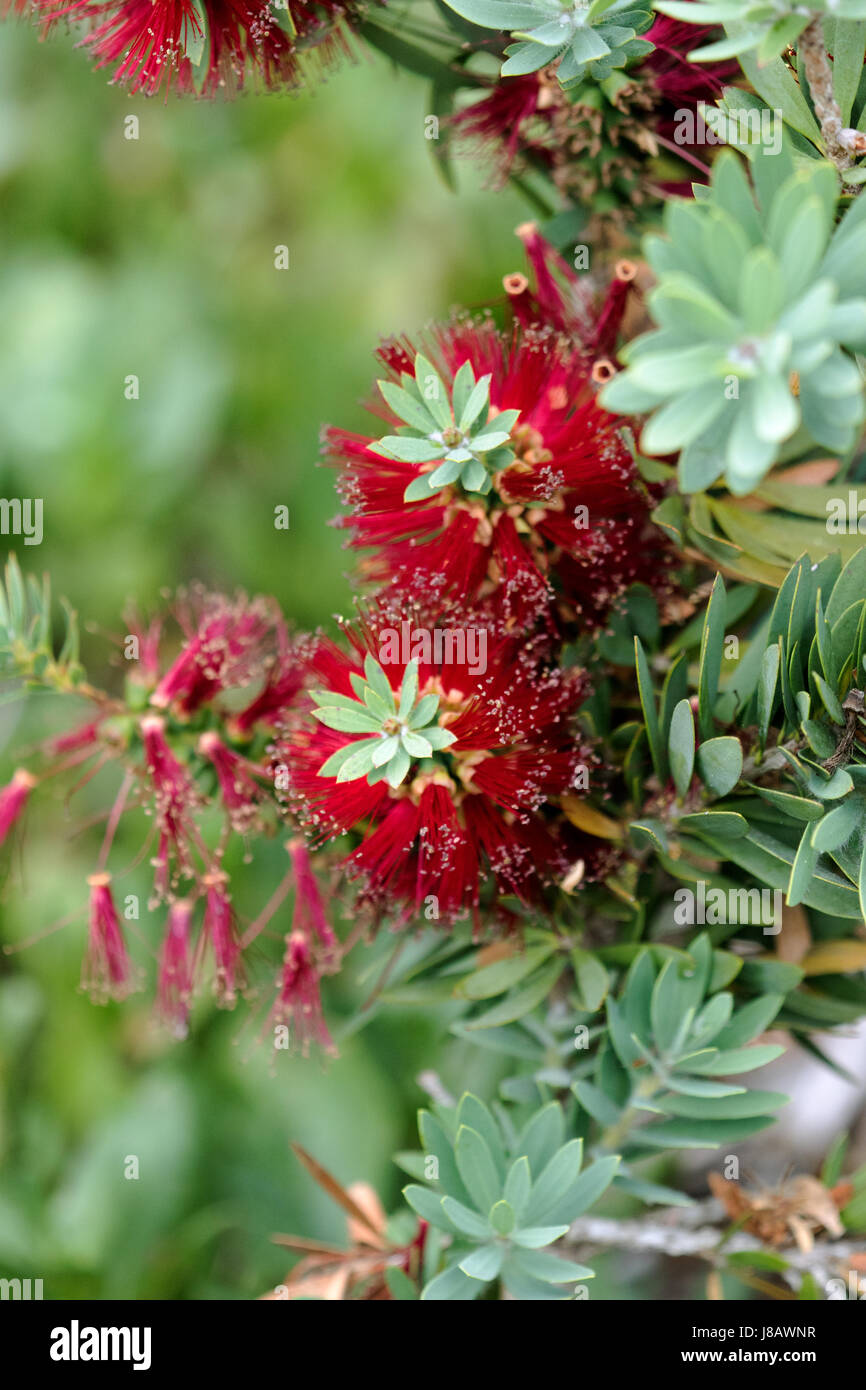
155 257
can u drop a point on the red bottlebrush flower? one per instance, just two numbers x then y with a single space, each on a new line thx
219 931
298 1004
590 141
309 917
107 972
208 46
241 792
225 650
13 799
551 512
175 798
485 744
174 981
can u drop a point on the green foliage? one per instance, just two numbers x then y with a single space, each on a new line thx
504 1197
766 27
582 37
399 729
798 692
453 426
27 641
672 1035
759 304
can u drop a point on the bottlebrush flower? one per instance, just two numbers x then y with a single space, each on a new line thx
226 643
283 682
505 481
240 790
13 799
220 933
106 972
175 798
174 981
470 813
206 45
309 915
595 140
298 1004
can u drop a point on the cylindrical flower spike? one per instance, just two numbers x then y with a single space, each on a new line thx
107 972
241 793
174 795
13 799
220 933
298 1004
174 980
309 915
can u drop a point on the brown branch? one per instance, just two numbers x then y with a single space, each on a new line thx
841 142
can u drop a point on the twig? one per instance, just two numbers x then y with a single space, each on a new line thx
674 1231
841 142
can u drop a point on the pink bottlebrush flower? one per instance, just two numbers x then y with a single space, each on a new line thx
225 649
473 813
174 981
143 669
154 44
13 799
220 933
175 799
85 736
309 917
283 683
298 1004
107 972
241 792
563 527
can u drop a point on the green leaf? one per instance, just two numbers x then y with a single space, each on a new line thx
429 1207
477 1168
585 1191
712 649
473 1113
591 980
503 974
701 1134
716 822
553 1183
399 1284
523 1001
738 1060
749 1022
451 1286
485 1263
720 764
542 1136
648 704
681 746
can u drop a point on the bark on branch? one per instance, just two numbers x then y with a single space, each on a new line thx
842 142
684 1231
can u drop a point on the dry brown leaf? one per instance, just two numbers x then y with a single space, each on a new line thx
586 818
835 958
339 1195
